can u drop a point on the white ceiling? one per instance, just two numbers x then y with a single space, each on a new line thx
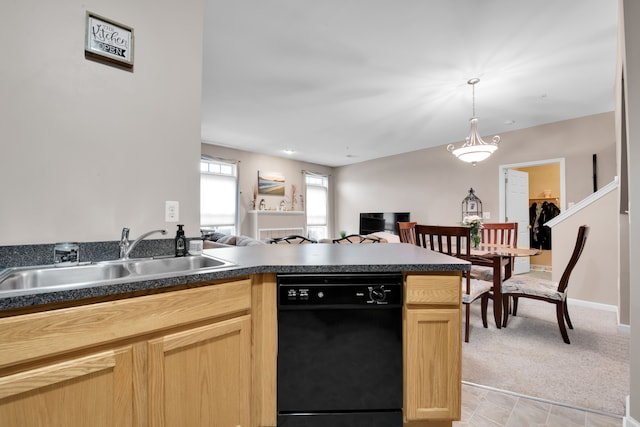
344 81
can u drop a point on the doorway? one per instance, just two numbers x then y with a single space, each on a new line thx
546 187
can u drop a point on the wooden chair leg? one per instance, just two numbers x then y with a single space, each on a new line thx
484 304
466 326
515 306
560 316
505 310
566 315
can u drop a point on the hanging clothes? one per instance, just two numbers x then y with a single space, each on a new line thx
539 214
534 213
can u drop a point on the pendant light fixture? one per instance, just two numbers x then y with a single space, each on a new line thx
474 149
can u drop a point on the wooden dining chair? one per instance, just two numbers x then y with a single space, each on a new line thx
407 231
456 241
525 286
502 234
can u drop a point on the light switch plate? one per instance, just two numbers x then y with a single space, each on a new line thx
486 215
171 211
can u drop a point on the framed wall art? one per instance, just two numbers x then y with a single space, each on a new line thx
271 183
109 41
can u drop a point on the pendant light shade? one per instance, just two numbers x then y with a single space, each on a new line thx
474 149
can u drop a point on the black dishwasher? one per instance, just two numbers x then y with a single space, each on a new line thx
339 350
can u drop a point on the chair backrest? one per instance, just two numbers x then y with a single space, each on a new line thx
295 239
407 232
500 233
583 232
356 238
451 240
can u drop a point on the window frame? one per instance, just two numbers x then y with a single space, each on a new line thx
224 169
322 181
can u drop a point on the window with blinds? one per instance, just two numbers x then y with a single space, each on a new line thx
317 197
218 196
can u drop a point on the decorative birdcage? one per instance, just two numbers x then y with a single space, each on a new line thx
471 205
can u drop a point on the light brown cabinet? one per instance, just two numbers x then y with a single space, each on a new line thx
95 389
202 376
171 359
432 349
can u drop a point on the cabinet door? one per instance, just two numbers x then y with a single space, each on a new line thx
94 390
432 364
201 376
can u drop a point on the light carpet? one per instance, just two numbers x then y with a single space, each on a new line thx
529 357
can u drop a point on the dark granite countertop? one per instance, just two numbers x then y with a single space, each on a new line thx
309 258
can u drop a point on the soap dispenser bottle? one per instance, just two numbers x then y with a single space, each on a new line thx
181 242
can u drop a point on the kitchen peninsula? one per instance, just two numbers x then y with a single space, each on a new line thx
201 348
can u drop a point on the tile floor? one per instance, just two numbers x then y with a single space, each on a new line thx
483 407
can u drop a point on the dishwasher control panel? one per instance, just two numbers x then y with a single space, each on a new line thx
339 290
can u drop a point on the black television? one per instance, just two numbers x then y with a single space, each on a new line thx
372 222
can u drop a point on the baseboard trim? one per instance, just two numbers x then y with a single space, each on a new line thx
627 421
591 304
600 306
624 328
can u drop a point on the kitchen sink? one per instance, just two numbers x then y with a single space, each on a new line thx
25 280
44 277
173 265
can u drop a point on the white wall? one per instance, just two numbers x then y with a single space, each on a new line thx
87 148
595 276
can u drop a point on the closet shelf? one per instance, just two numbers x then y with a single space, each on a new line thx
533 199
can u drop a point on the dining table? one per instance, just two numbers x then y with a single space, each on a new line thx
498 257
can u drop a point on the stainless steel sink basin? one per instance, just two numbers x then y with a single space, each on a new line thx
45 277
25 280
173 265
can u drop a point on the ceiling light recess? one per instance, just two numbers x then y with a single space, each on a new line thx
474 149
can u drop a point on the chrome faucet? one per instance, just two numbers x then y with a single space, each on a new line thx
127 246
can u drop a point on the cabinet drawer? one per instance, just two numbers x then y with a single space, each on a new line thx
32 336
434 289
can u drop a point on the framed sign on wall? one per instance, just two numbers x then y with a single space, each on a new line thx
108 41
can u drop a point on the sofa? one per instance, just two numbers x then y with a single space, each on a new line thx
219 240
